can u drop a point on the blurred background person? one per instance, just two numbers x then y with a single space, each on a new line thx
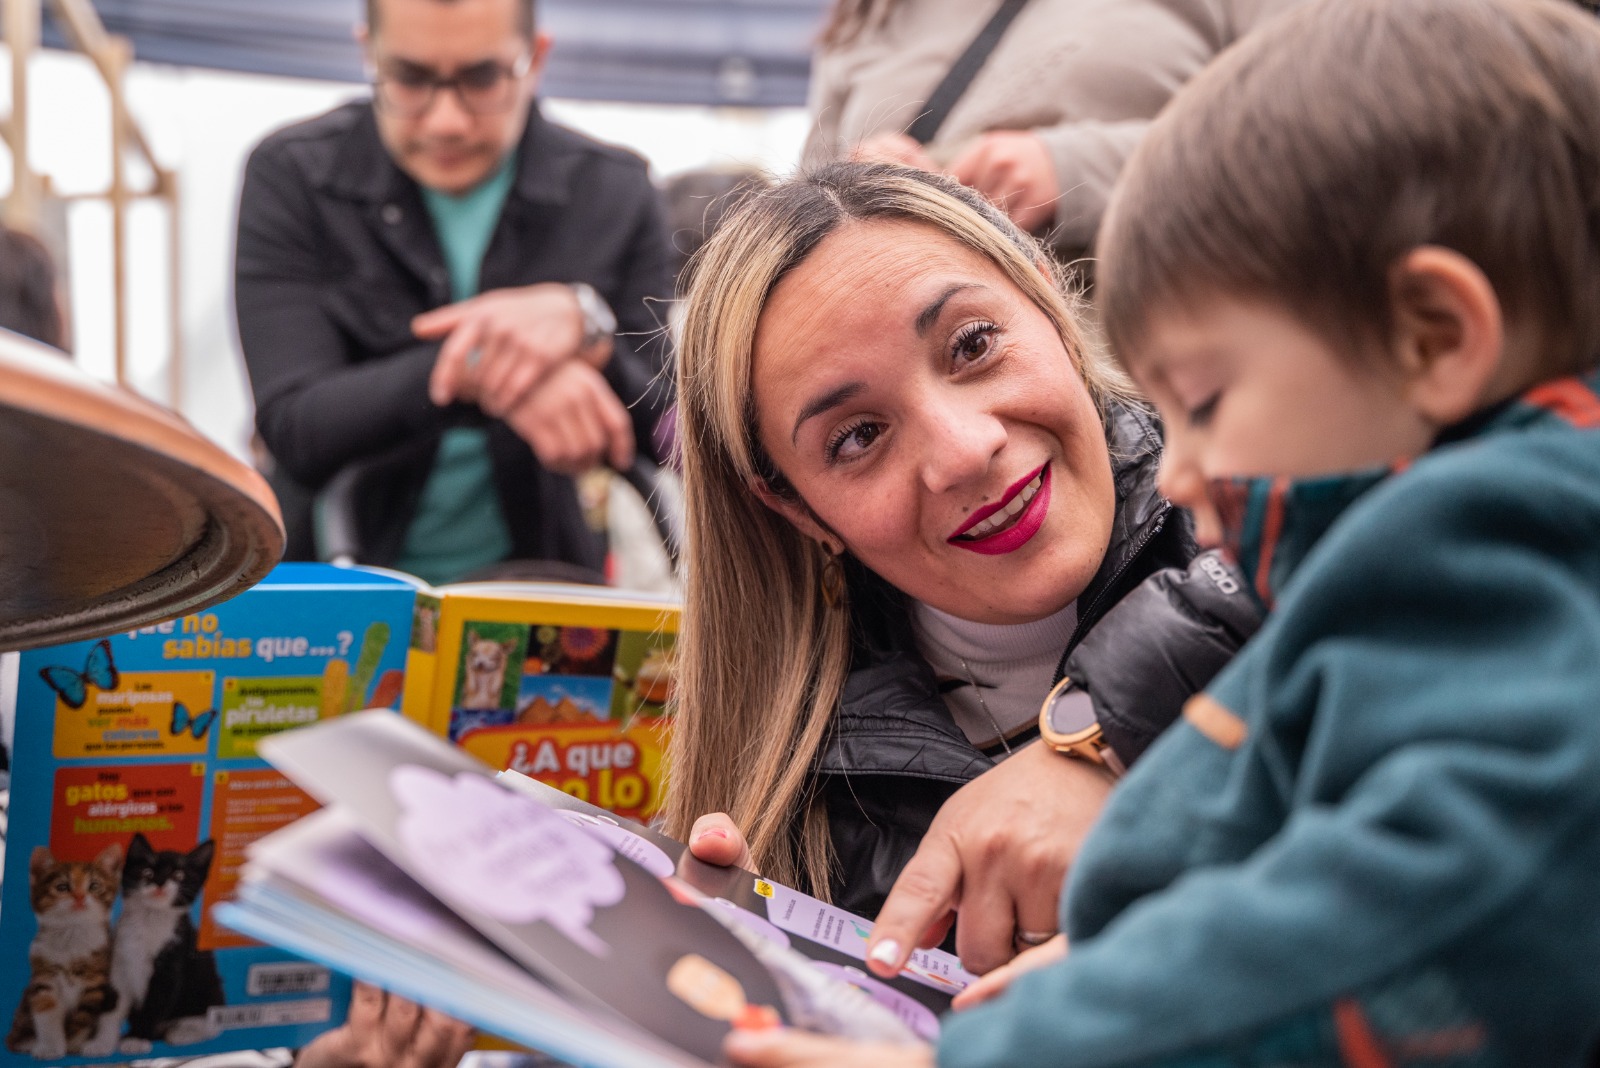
445 295
1056 103
30 298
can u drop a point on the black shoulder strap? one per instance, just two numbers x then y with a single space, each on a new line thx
962 71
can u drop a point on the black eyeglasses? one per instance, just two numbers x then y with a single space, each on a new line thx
407 90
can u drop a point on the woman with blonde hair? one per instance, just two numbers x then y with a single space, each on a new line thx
914 496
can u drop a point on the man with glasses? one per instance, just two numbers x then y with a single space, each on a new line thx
449 298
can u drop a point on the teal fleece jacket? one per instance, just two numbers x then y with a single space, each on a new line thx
1375 840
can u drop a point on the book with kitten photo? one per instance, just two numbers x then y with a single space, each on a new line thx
136 789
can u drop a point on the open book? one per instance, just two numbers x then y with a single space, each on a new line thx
545 920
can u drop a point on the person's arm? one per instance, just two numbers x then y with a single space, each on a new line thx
1447 764
317 407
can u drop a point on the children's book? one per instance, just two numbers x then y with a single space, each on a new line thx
566 684
136 790
547 920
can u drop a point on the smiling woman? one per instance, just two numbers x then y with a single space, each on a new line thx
968 427
913 492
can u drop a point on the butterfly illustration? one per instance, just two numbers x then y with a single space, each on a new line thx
73 686
197 724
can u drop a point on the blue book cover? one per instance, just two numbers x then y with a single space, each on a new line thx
135 791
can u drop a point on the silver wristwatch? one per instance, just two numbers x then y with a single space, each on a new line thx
599 321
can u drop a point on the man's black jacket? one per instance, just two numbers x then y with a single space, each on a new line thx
337 253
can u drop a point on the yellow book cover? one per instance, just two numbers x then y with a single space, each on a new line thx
565 684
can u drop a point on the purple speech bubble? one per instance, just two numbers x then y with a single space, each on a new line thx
505 855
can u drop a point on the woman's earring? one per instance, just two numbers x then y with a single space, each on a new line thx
833 584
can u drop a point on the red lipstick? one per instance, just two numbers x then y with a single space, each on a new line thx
1019 533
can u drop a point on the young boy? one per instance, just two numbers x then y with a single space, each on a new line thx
1356 265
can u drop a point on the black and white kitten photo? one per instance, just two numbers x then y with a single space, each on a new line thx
164 981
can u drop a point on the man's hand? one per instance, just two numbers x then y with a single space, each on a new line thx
716 839
998 851
573 421
1014 170
500 345
384 1031
894 148
784 1048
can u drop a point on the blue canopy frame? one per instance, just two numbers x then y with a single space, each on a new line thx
753 53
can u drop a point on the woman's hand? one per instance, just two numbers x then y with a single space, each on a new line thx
995 983
715 839
783 1048
385 1031
997 853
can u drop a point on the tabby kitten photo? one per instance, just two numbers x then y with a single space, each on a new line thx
164 982
69 1001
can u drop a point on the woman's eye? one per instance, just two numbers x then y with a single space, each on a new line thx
1201 413
853 440
973 343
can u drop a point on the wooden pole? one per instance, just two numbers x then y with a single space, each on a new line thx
169 182
22 34
119 54
81 23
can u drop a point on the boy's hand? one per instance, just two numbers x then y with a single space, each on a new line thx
997 852
995 983
385 1031
715 839
785 1048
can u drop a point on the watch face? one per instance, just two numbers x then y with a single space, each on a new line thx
1070 711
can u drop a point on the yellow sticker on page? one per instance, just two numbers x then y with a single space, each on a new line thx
148 713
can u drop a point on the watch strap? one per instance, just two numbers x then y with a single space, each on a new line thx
599 321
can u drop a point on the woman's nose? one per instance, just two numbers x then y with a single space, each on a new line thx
961 444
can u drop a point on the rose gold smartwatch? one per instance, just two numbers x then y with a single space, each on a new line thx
1068 725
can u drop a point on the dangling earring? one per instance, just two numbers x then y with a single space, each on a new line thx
833 584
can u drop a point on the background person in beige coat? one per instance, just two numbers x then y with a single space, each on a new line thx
1044 128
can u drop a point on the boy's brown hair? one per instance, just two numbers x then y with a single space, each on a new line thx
1309 159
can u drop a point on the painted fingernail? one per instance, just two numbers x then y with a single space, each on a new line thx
886 952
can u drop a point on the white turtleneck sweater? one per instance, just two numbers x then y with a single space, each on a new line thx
1012 666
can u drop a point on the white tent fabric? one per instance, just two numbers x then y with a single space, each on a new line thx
710 52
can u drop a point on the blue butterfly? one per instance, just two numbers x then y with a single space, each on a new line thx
73 686
196 724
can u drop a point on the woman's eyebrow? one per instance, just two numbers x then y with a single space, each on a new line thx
817 405
930 315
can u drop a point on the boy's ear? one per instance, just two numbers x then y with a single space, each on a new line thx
1449 332
801 517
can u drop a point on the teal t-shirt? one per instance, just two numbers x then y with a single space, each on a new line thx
459 526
